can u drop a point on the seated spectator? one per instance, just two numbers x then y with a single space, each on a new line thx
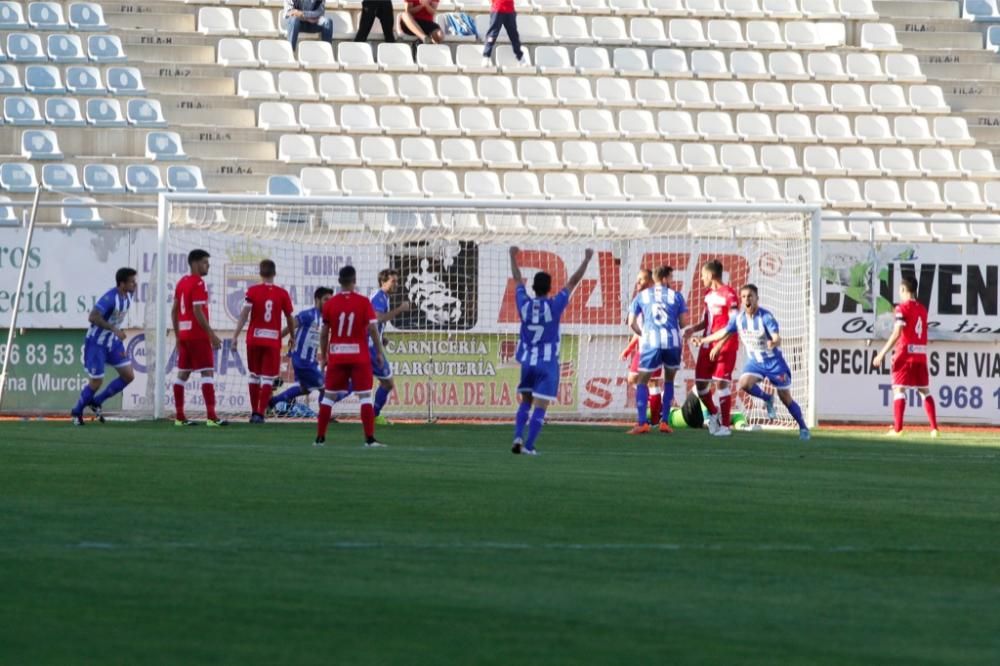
371 10
418 21
306 16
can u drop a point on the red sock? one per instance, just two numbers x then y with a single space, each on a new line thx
726 407
368 419
898 407
325 413
931 410
179 400
655 406
706 399
265 397
254 396
208 392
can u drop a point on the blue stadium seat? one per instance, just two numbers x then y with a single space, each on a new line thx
22 111
10 80
86 16
106 48
46 16
65 48
43 79
143 179
125 81
981 10
25 47
164 146
102 179
7 216
145 113
105 112
12 16
64 112
61 178
84 80
40 145
185 178
18 177
284 186
81 212
993 38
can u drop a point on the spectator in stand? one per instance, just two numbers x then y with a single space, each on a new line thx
306 16
502 15
375 9
418 21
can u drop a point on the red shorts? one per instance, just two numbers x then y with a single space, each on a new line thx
357 373
910 372
195 355
264 360
721 368
633 364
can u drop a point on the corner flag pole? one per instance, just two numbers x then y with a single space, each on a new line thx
17 295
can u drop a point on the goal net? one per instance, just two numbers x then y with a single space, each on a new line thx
453 352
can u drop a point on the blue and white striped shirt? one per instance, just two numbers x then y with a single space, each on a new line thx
307 325
755 331
539 326
113 307
380 303
661 309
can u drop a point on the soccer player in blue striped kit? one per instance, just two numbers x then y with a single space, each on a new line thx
538 350
758 331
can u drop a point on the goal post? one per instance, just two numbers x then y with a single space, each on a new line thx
453 351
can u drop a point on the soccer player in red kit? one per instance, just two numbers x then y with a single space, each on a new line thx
721 303
909 360
265 303
196 341
349 321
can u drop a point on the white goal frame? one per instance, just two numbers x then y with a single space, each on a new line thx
168 200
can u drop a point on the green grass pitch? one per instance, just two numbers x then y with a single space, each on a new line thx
149 544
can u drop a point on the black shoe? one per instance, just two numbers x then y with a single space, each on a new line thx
320 441
185 422
98 412
77 419
256 418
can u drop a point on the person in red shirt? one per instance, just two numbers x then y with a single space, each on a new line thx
265 303
349 321
716 361
909 360
503 15
196 341
418 21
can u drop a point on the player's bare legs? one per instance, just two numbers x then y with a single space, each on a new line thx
899 408
526 445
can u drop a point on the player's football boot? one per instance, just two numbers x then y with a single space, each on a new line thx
772 409
319 441
529 452
382 421
374 444
216 423
77 419
185 422
256 418
518 446
713 424
665 427
804 434
935 433
98 412
894 433
639 429
722 431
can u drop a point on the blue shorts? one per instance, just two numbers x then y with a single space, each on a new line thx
652 359
309 377
96 356
383 371
775 370
542 381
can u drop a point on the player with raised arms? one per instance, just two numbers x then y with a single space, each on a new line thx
909 360
305 342
103 345
758 331
720 304
643 280
538 350
663 313
388 281
196 340
264 304
348 322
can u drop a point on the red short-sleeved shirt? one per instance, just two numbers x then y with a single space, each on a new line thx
503 7
719 307
348 315
912 343
190 293
422 14
267 303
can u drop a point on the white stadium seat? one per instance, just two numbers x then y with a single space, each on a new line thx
928 99
682 188
884 194
849 98
441 185
700 158
653 93
478 121
659 156
460 153
317 55
903 68
40 145
963 195
806 190
143 179
540 155
401 183
396 58
952 130
341 150
360 182
620 156
641 187
379 151
256 85
755 127
558 124
377 88
615 91
319 182
236 52
581 156
779 160
359 119
318 118
898 163
748 65
419 152
297 86
873 130
438 121
939 163
738 158
217 21
102 179
164 146
822 161
834 128
923 195
518 123
483 185
398 120
417 89
276 54
61 178
298 149
843 193
254 22
879 37
977 163
522 186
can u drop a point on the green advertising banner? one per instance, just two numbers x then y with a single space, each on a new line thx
46 372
